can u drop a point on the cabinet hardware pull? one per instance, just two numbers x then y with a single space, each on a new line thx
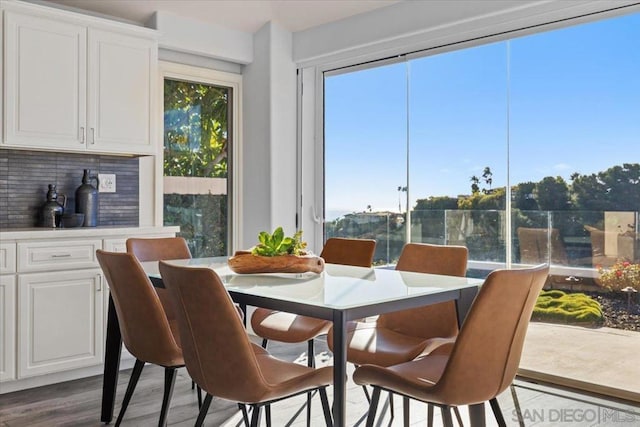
93 135
60 255
82 135
99 287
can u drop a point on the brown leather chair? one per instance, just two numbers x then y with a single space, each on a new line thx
219 355
143 323
152 249
293 328
403 335
155 249
481 363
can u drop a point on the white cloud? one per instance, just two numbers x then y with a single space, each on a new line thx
561 167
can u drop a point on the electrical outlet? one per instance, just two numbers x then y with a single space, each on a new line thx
107 183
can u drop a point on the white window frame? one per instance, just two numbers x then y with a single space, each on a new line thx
173 70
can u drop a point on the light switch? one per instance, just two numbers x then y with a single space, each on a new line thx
107 183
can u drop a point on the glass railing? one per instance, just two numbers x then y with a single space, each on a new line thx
573 242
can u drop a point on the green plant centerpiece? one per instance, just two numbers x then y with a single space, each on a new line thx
276 253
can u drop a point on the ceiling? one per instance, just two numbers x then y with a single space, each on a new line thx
242 15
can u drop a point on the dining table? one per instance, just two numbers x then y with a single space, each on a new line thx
339 293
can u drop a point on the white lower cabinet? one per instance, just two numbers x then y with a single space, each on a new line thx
60 318
53 302
7 327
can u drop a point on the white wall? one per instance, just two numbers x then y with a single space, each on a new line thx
269 135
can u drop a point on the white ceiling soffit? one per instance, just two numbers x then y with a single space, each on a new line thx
414 26
241 15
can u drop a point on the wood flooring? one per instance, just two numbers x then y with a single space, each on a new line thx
77 403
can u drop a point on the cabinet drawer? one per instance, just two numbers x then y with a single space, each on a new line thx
7 258
115 245
57 255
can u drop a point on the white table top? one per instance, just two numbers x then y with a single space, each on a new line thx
337 287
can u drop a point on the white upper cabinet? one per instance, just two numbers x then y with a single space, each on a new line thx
121 88
45 82
76 84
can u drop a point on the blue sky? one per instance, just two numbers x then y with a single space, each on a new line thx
566 101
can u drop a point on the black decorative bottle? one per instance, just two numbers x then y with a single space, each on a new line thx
52 210
87 199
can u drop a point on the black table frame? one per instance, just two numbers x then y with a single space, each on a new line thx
463 297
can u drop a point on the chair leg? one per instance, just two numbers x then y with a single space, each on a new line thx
366 393
516 404
405 410
255 416
391 411
264 343
325 407
447 421
495 407
199 393
203 410
309 394
456 411
311 362
245 416
169 381
311 355
267 414
193 384
429 415
135 375
373 407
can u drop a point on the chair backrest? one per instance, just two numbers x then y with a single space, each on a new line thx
356 252
217 351
535 243
486 354
152 249
156 249
437 320
143 324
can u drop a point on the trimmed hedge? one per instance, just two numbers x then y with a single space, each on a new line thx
560 307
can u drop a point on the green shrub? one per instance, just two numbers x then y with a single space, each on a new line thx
560 307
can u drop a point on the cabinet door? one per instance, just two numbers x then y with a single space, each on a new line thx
45 83
122 73
7 257
7 328
60 319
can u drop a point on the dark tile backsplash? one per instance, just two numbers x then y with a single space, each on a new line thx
25 176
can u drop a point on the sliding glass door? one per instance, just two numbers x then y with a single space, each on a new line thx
523 150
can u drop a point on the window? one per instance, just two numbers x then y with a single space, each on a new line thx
198 157
522 150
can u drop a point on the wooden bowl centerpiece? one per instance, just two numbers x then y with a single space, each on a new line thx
276 254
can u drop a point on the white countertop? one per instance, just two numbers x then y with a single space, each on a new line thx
45 233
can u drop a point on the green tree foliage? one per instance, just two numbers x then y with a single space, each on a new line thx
196 132
616 189
523 197
438 202
493 200
552 194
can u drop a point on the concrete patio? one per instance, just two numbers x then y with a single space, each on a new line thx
598 360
